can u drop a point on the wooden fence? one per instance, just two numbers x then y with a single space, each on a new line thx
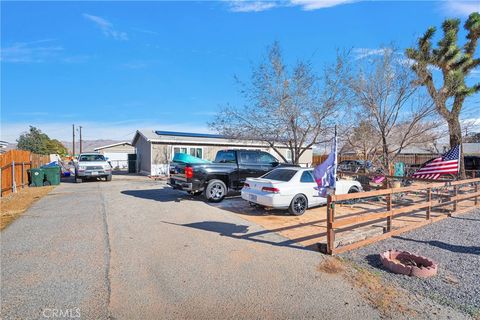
39 160
426 199
409 159
14 166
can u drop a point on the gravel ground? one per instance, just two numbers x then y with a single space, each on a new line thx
454 243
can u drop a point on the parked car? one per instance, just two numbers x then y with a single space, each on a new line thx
352 165
228 172
291 188
92 165
472 164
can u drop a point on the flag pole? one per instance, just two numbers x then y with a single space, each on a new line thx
336 159
460 156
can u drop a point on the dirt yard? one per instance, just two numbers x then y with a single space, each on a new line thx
15 204
310 229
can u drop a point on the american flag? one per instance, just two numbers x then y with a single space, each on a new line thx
446 164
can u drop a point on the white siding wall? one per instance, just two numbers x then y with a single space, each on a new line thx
143 156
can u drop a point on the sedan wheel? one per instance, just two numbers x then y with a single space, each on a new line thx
299 205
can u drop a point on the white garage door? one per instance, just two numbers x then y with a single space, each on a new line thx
118 160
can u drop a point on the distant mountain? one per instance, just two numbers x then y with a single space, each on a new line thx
89 145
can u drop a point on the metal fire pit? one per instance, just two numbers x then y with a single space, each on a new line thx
407 263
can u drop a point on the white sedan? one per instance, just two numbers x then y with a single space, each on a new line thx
291 188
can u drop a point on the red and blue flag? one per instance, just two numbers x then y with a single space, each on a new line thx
325 173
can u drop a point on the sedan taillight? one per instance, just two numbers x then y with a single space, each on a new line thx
271 189
188 172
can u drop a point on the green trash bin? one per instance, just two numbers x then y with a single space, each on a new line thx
52 175
37 176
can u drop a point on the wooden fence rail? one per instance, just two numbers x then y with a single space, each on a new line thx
409 159
450 193
14 169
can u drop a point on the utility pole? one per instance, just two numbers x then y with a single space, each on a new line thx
73 140
80 139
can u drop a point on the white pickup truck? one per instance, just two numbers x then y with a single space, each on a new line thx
92 165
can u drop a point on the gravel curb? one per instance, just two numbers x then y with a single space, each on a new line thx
453 243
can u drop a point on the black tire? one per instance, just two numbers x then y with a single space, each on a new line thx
299 205
353 190
215 191
46 183
78 180
108 178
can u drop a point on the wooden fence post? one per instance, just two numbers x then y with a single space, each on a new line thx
14 187
330 219
23 175
476 197
455 202
429 199
389 208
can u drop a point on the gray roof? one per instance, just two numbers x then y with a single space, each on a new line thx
113 145
170 137
471 148
468 148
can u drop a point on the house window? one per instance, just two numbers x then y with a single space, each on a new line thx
289 156
193 151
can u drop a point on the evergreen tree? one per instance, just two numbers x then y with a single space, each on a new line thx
455 63
38 142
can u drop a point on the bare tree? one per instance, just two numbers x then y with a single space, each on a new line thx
362 139
284 106
390 105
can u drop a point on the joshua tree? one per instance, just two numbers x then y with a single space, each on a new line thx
455 63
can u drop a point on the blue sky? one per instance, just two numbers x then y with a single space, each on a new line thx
114 67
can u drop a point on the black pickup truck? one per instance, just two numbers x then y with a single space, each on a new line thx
228 172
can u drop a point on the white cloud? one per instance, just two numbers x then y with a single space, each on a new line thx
251 6
146 31
106 27
307 5
33 51
121 130
463 8
475 73
361 53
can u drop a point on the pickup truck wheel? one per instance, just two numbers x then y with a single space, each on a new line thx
108 178
299 205
216 190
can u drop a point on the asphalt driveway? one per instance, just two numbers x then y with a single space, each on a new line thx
135 249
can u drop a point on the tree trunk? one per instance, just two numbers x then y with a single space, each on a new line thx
455 132
386 160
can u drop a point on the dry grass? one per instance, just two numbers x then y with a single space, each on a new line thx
385 297
331 265
13 205
381 295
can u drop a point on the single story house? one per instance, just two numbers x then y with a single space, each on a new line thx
117 153
155 149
